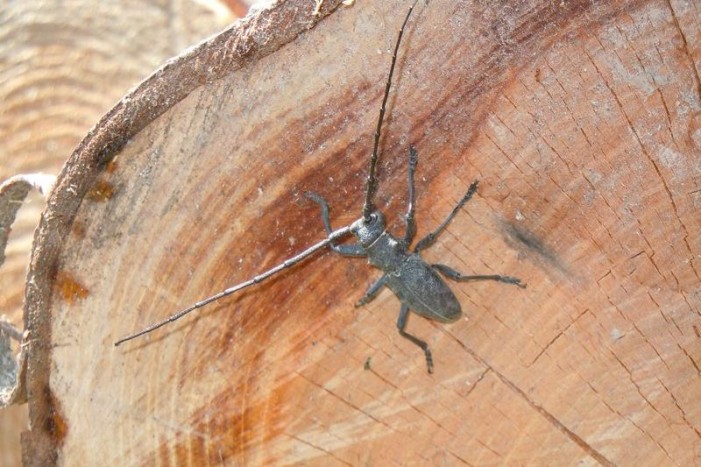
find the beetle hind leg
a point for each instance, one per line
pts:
(452, 274)
(401, 324)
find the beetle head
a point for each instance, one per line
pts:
(368, 230)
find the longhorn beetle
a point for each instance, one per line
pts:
(417, 284)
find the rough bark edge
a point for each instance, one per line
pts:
(246, 41)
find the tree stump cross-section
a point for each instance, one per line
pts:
(582, 121)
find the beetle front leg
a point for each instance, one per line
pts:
(428, 240)
(372, 291)
(452, 274)
(401, 324)
(410, 221)
(344, 250)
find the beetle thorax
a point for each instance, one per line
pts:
(368, 230)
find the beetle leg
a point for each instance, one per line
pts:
(410, 221)
(401, 324)
(428, 240)
(345, 250)
(372, 291)
(451, 273)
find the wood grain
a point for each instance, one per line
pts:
(582, 122)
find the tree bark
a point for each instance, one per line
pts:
(582, 121)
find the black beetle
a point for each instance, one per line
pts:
(417, 284)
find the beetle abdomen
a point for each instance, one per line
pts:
(418, 286)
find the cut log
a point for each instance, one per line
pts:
(582, 121)
(63, 65)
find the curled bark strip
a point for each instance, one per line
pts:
(12, 193)
(12, 388)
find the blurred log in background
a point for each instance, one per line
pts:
(62, 66)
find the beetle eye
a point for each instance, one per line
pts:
(373, 218)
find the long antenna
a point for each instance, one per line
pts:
(372, 180)
(335, 235)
